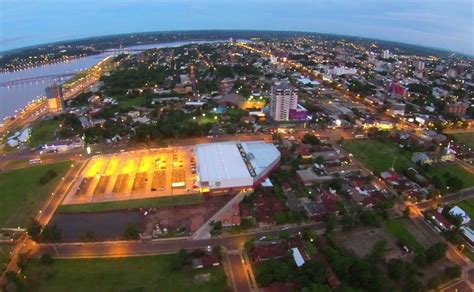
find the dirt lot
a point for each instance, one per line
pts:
(361, 240)
(183, 219)
(111, 225)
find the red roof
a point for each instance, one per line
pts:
(266, 207)
(441, 219)
(265, 252)
(295, 242)
(330, 205)
(303, 150)
(210, 260)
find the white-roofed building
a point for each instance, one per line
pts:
(456, 211)
(234, 165)
(299, 260)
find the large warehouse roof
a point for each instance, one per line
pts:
(233, 164)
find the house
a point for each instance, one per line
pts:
(440, 221)
(206, 261)
(315, 210)
(421, 158)
(268, 251)
(304, 151)
(230, 216)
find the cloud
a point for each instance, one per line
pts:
(436, 23)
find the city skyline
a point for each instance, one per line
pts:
(428, 23)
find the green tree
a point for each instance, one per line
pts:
(396, 268)
(436, 252)
(131, 232)
(331, 220)
(280, 218)
(46, 259)
(182, 259)
(51, 234)
(34, 229)
(347, 222)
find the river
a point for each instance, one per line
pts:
(16, 96)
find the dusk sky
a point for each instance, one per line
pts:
(434, 23)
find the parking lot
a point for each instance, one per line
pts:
(135, 175)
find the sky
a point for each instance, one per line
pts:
(446, 24)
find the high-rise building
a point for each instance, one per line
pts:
(54, 94)
(419, 65)
(385, 54)
(284, 99)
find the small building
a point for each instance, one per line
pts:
(206, 261)
(63, 145)
(440, 221)
(297, 257)
(458, 212)
(268, 251)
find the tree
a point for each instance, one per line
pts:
(420, 260)
(369, 219)
(453, 271)
(182, 258)
(34, 229)
(47, 177)
(280, 217)
(131, 232)
(310, 139)
(395, 269)
(46, 259)
(330, 223)
(436, 252)
(51, 234)
(347, 222)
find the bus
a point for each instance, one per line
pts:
(36, 161)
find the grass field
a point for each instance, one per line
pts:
(159, 202)
(378, 155)
(468, 206)
(465, 176)
(43, 132)
(21, 195)
(147, 273)
(397, 228)
(465, 138)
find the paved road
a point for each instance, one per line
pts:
(131, 248)
(239, 272)
(451, 198)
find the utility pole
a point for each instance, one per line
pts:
(393, 162)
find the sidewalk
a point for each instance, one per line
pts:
(204, 231)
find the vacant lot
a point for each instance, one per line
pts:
(361, 240)
(453, 170)
(22, 195)
(159, 202)
(398, 229)
(465, 138)
(149, 273)
(43, 132)
(378, 156)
